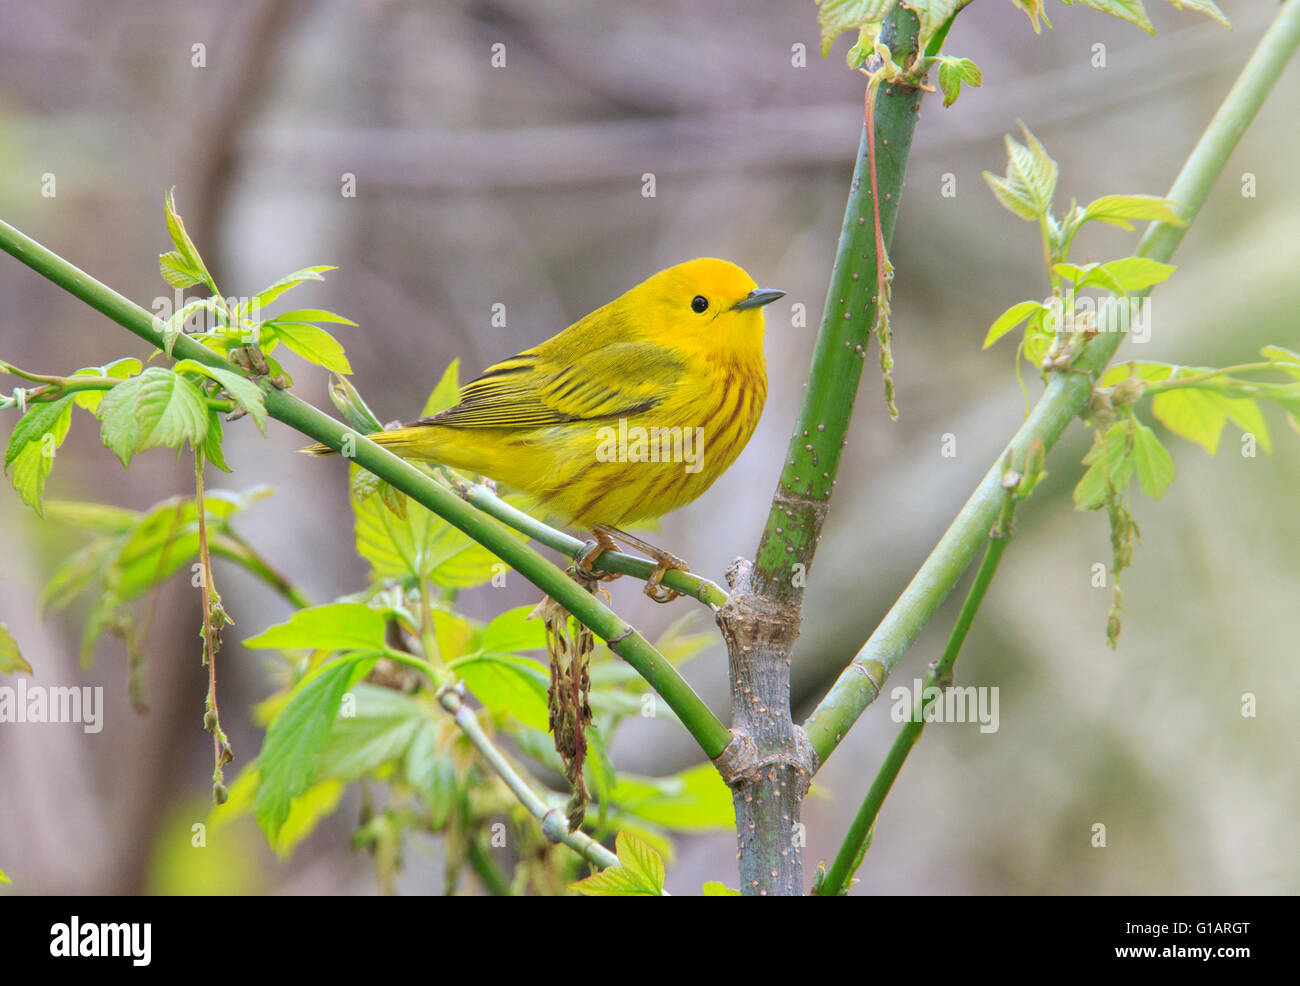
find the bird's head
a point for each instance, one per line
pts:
(704, 304)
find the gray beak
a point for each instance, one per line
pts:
(757, 299)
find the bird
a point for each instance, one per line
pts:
(631, 412)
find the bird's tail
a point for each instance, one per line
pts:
(408, 442)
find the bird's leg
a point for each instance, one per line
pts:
(600, 542)
(664, 561)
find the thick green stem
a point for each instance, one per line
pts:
(1067, 394)
(622, 638)
(838, 878)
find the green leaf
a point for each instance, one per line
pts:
(245, 392)
(1117, 210)
(120, 369)
(269, 294)
(70, 578)
(348, 400)
(834, 17)
(3, 878)
(33, 445)
(212, 450)
(177, 272)
(1030, 180)
(1286, 360)
(1244, 412)
(694, 800)
(313, 315)
(933, 14)
(1138, 273)
(187, 251)
(516, 685)
(1110, 464)
(953, 72)
(1126, 10)
(297, 737)
(1206, 7)
(312, 343)
(380, 729)
(420, 545)
(715, 889)
(333, 626)
(1010, 318)
(446, 394)
(152, 409)
(1197, 415)
(639, 873)
(1155, 467)
(513, 631)
(11, 658)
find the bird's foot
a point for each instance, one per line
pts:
(664, 562)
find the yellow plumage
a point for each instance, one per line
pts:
(672, 370)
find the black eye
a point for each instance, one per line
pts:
(699, 304)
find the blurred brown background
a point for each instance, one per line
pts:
(521, 185)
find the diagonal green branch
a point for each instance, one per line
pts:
(622, 638)
(1066, 396)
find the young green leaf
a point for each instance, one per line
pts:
(953, 72)
(513, 631)
(11, 658)
(1206, 7)
(639, 873)
(1117, 210)
(296, 739)
(1197, 415)
(380, 729)
(333, 626)
(152, 409)
(446, 393)
(176, 271)
(212, 451)
(245, 392)
(1030, 180)
(1110, 464)
(1244, 412)
(254, 305)
(347, 399)
(185, 248)
(119, 369)
(1155, 467)
(834, 17)
(516, 685)
(715, 889)
(1126, 10)
(312, 343)
(33, 445)
(694, 800)
(1010, 318)
(1137, 273)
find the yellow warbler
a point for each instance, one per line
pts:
(627, 414)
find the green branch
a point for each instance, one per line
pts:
(812, 461)
(1066, 396)
(838, 878)
(555, 825)
(687, 583)
(621, 637)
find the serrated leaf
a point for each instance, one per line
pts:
(176, 271)
(296, 739)
(635, 855)
(245, 392)
(953, 72)
(453, 633)
(834, 17)
(1110, 465)
(313, 315)
(212, 450)
(312, 343)
(152, 409)
(33, 445)
(1013, 196)
(379, 729)
(1244, 412)
(447, 392)
(333, 626)
(1197, 415)
(1126, 10)
(269, 294)
(1034, 169)
(1206, 7)
(1116, 210)
(350, 404)
(11, 658)
(1011, 318)
(185, 247)
(640, 872)
(516, 685)
(691, 801)
(1151, 460)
